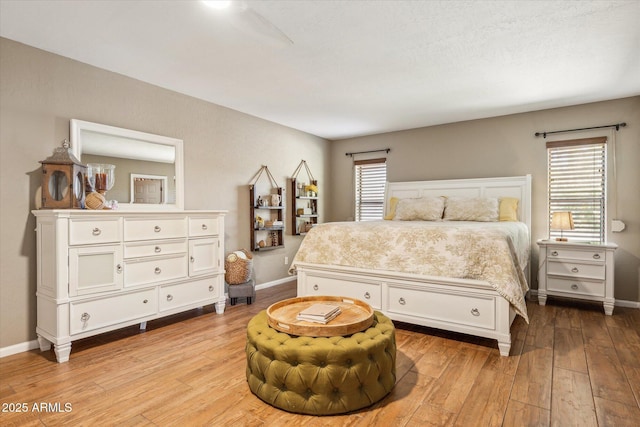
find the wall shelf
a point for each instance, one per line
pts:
(267, 204)
(304, 205)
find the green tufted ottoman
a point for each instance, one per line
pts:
(321, 376)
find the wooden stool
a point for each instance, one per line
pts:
(246, 289)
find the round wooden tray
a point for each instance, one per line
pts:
(355, 316)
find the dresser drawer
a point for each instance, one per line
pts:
(434, 304)
(567, 253)
(203, 226)
(89, 315)
(576, 269)
(155, 270)
(576, 287)
(154, 229)
(364, 291)
(89, 231)
(161, 247)
(180, 295)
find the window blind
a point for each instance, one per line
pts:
(370, 177)
(577, 183)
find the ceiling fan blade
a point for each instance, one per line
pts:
(251, 20)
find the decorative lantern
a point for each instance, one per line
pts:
(63, 180)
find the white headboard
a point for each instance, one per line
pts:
(514, 186)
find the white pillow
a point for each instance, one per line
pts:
(421, 209)
(471, 209)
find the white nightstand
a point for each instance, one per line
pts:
(577, 270)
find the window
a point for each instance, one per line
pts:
(371, 178)
(577, 183)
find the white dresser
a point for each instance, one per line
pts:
(103, 270)
(577, 270)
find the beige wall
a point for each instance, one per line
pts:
(40, 92)
(506, 146)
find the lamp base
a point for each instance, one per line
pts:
(562, 239)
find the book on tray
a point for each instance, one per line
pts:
(319, 313)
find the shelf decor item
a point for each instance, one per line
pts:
(101, 177)
(304, 201)
(267, 212)
(63, 180)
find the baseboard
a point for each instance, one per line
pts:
(276, 282)
(618, 302)
(18, 348)
(628, 304)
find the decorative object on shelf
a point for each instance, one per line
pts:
(101, 177)
(312, 190)
(95, 201)
(63, 180)
(276, 199)
(267, 212)
(562, 221)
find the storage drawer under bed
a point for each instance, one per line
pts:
(435, 304)
(364, 291)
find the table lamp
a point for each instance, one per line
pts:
(561, 221)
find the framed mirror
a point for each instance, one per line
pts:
(134, 154)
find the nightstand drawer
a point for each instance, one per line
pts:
(578, 287)
(567, 253)
(576, 269)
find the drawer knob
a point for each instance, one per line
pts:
(119, 268)
(145, 301)
(574, 287)
(402, 301)
(85, 317)
(169, 297)
(554, 253)
(158, 249)
(596, 256)
(157, 229)
(367, 295)
(96, 231)
(192, 259)
(315, 287)
(158, 270)
(475, 312)
(574, 270)
(211, 288)
(204, 226)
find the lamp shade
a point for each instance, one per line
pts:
(562, 221)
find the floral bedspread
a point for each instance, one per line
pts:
(495, 252)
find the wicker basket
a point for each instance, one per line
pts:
(238, 270)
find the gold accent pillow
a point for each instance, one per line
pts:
(393, 202)
(421, 209)
(483, 209)
(509, 209)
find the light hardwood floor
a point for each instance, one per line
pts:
(572, 365)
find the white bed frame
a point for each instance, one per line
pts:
(460, 305)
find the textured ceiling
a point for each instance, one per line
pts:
(354, 67)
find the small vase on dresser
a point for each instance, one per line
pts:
(577, 270)
(103, 270)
